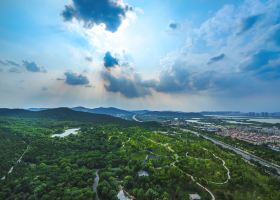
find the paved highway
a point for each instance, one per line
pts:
(248, 156)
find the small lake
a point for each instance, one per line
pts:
(67, 132)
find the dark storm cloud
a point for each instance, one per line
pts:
(32, 67)
(173, 25)
(216, 58)
(264, 64)
(110, 61)
(130, 88)
(95, 12)
(249, 22)
(75, 79)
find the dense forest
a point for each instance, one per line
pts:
(145, 161)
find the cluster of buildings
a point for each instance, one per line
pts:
(250, 133)
(249, 136)
(261, 130)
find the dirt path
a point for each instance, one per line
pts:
(135, 119)
(173, 164)
(17, 162)
(228, 172)
(95, 184)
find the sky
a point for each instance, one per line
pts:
(141, 54)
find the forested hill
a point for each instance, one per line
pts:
(172, 114)
(63, 114)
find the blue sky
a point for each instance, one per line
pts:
(161, 55)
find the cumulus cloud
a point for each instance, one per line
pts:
(109, 60)
(14, 66)
(130, 87)
(12, 63)
(9, 63)
(25, 66)
(122, 79)
(173, 25)
(252, 63)
(173, 80)
(265, 64)
(91, 13)
(216, 58)
(75, 79)
(32, 67)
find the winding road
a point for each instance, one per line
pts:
(17, 162)
(174, 165)
(223, 163)
(135, 119)
(228, 172)
(95, 184)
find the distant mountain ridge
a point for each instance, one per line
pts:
(37, 109)
(102, 110)
(102, 114)
(147, 114)
(61, 114)
(128, 114)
